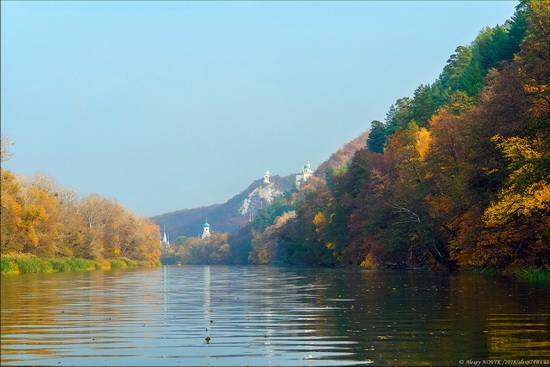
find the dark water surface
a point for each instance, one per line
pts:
(270, 316)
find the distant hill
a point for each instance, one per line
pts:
(237, 211)
(227, 217)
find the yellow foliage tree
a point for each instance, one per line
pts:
(423, 142)
(46, 222)
(11, 210)
(528, 192)
(29, 218)
(319, 222)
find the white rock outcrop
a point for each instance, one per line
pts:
(264, 193)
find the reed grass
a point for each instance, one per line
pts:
(532, 274)
(149, 264)
(24, 264)
(117, 264)
(130, 263)
(28, 264)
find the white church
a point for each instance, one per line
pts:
(307, 172)
(165, 238)
(205, 230)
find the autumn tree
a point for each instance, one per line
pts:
(211, 250)
(377, 137)
(5, 144)
(12, 233)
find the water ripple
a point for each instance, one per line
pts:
(216, 315)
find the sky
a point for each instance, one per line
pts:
(171, 105)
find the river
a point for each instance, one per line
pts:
(271, 316)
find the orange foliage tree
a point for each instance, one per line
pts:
(40, 218)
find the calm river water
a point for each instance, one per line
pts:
(270, 316)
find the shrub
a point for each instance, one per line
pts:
(61, 264)
(129, 263)
(149, 264)
(28, 264)
(532, 274)
(8, 266)
(118, 264)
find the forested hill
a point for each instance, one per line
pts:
(455, 176)
(236, 213)
(226, 217)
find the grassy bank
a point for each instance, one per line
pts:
(528, 274)
(533, 274)
(27, 264)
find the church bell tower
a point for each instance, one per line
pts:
(205, 230)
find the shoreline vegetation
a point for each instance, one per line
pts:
(47, 228)
(15, 264)
(18, 264)
(532, 274)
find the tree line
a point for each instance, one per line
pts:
(38, 217)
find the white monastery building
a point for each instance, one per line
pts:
(307, 172)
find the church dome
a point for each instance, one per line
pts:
(206, 224)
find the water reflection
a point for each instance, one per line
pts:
(264, 315)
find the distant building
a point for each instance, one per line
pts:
(307, 172)
(165, 238)
(205, 230)
(266, 177)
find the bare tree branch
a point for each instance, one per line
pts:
(401, 209)
(5, 143)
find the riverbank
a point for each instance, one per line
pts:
(532, 274)
(529, 274)
(13, 264)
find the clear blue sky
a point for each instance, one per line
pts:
(171, 105)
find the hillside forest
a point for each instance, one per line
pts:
(456, 176)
